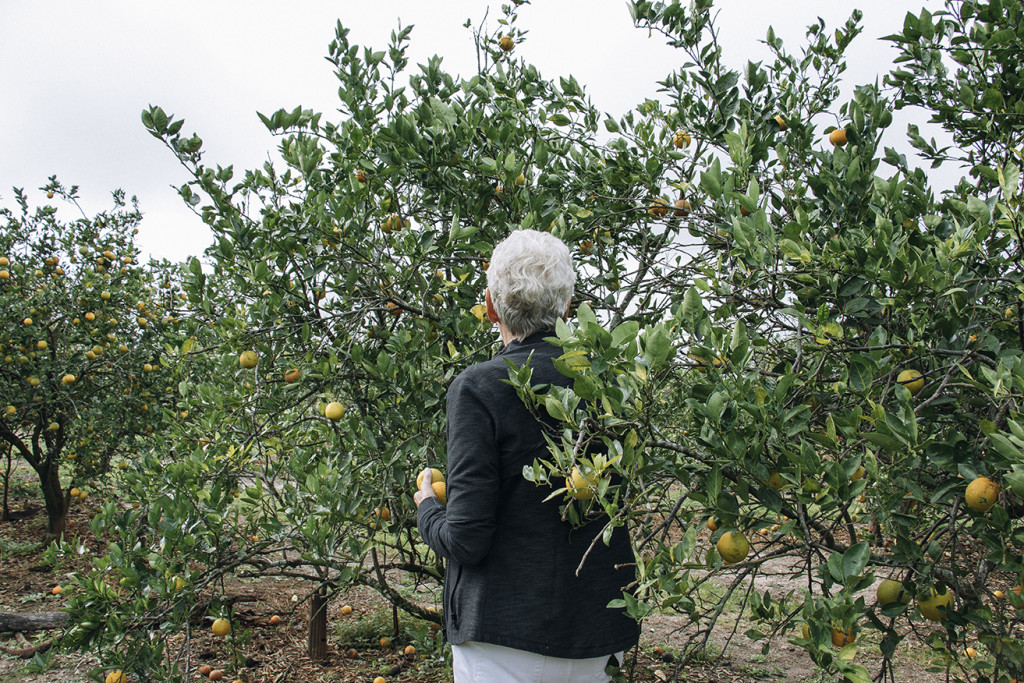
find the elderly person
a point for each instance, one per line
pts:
(515, 609)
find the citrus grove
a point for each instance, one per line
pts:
(792, 352)
(82, 343)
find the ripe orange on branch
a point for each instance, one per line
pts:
(838, 137)
(981, 494)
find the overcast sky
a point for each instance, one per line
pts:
(74, 76)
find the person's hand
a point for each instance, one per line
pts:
(425, 491)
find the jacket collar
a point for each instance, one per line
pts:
(531, 340)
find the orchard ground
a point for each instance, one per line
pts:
(272, 651)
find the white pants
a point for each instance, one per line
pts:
(485, 663)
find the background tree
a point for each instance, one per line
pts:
(84, 325)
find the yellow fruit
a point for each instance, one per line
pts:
(937, 605)
(383, 513)
(56, 590)
(435, 476)
(247, 359)
(981, 494)
(73, 493)
(658, 208)
(67, 379)
(380, 679)
(841, 637)
(410, 650)
(346, 610)
(838, 137)
(440, 491)
(859, 474)
(681, 139)
(221, 627)
(781, 122)
(713, 524)
(520, 179)
(805, 631)
(4, 261)
(334, 411)
(890, 591)
(912, 380)
(179, 583)
(392, 223)
(506, 43)
(5, 274)
(775, 480)
(579, 486)
(733, 547)
(27, 321)
(116, 676)
(970, 653)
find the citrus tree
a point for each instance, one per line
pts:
(782, 335)
(84, 327)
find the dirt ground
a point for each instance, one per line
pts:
(275, 653)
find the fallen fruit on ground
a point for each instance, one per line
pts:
(981, 494)
(385, 641)
(221, 627)
(216, 675)
(347, 609)
(56, 590)
(733, 547)
(410, 650)
(275, 620)
(116, 676)
(205, 670)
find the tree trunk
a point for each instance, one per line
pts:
(32, 622)
(56, 502)
(5, 514)
(318, 625)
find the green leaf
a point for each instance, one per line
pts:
(855, 559)
(693, 309)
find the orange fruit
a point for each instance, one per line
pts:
(838, 137)
(841, 637)
(410, 650)
(383, 513)
(216, 675)
(385, 641)
(912, 380)
(221, 627)
(292, 375)
(506, 43)
(440, 491)
(681, 139)
(981, 494)
(347, 609)
(658, 208)
(205, 670)
(435, 477)
(275, 620)
(682, 207)
(733, 546)
(937, 605)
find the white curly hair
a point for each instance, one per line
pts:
(531, 281)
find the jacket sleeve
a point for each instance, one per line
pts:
(463, 530)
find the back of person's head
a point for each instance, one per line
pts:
(531, 279)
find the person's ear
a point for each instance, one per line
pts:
(492, 314)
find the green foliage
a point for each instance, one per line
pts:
(738, 360)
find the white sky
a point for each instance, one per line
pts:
(75, 76)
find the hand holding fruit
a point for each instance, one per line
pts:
(427, 487)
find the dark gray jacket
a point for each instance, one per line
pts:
(511, 560)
